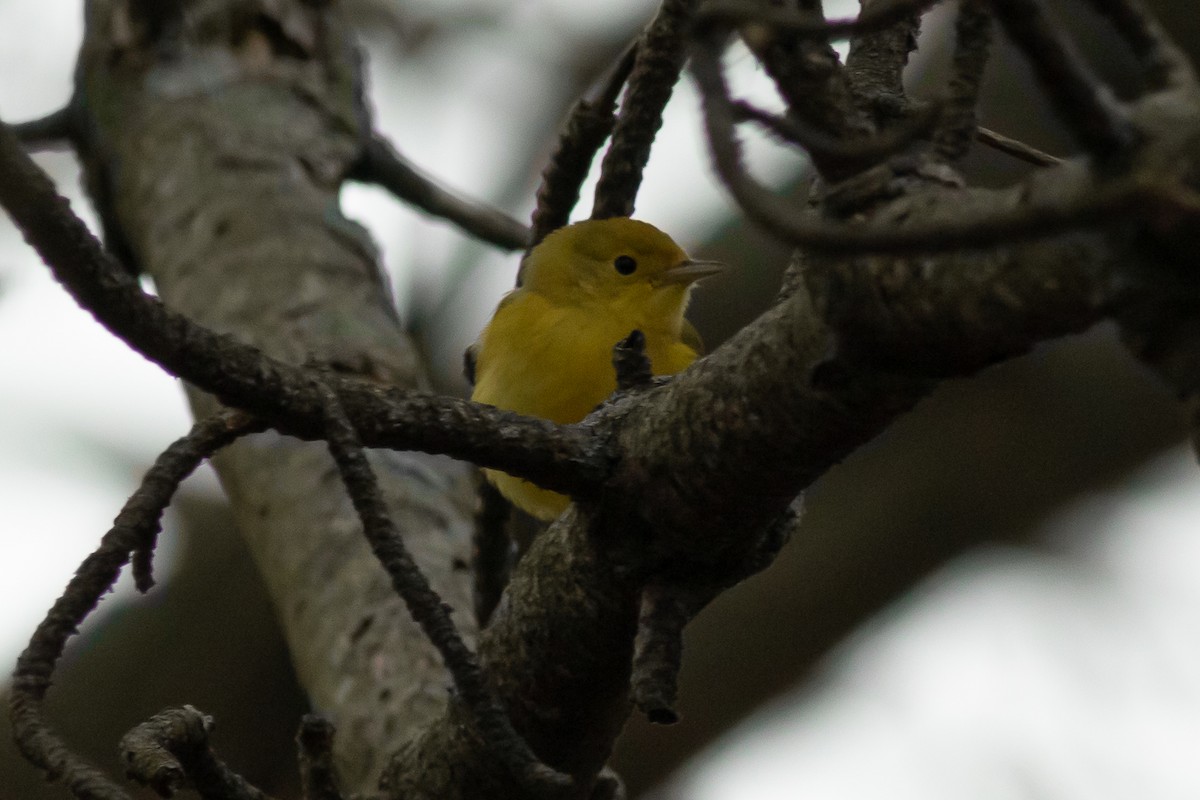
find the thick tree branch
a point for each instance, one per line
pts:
(427, 608)
(706, 462)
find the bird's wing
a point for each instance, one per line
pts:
(691, 337)
(471, 354)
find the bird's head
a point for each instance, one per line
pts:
(615, 262)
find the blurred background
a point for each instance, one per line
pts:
(1023, 546)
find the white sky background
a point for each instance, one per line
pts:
(1004, 677)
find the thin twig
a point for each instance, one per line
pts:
(660, 56)
(882, 15)
(492, 551)
(171, 750)
(134, 526)
(1131, 198)
(1165, 65)
(972, 46)
(588, 125)
(1086, 106)
(426, 607)
(55, 131)
(823, 148)
(318, 778)
(1014, 148)
(658, 654)
(631, 363)
(382, 165)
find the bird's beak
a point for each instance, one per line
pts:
(688, 272)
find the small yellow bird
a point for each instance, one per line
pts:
(548, 350)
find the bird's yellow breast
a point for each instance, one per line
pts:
(554, 360)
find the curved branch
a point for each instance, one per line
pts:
(989, 227)
(1086, 106)
(426, 607)
(588, 125)
(134, 527)
(383, 166)
(660, 56)
(565, 458)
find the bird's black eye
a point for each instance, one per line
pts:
(625, 265)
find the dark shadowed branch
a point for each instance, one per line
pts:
(171, 751)
(244, 377)
(382, 165)
(660, 56)
(973, 38)
(587, 127)
(1120, 201)
(133, 530)
(318, 779)
(1087, 107)
(55, 131)
(426, 606)
(1163, 63)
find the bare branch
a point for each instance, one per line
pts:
(492, 553)
(631, 363)
(1164, 63)
(658, 654)
(851, 153)
(557, 457)
(427, 608)
(875, 64)
(880, 16)
(1118, 201)
(1086, 107)
(382, 165)
(55, 131)
(973, 39)
(171, 750)
(660, 56)
(318, 780)
(133, 530)
(1015, 148)
(588, 125)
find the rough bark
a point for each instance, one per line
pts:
(222, 169)
(216, 142)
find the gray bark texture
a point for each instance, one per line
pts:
(223, 168)
(216, 137)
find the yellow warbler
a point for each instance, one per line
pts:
(548, 350)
